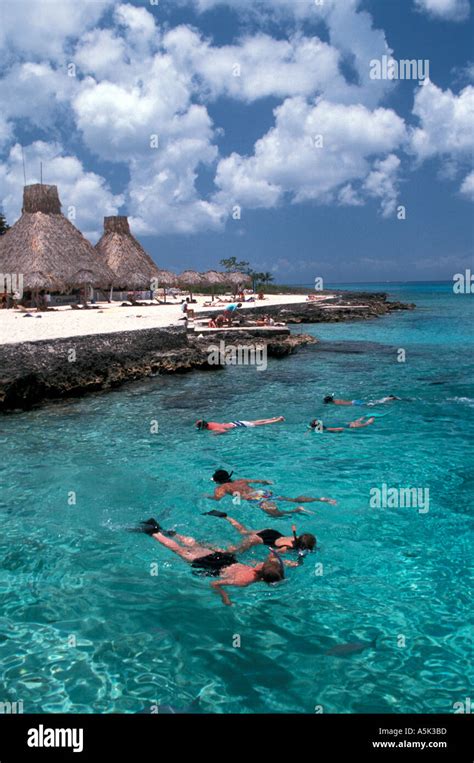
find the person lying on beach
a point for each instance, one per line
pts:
(268, 537)
(218, 563)
(215, 426)
(330, 399)
(243, 488)
(317, 425)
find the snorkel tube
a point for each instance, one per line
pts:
(280, 561)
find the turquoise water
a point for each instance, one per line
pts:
(85, 627)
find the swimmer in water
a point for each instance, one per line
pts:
(330, 399)
(243, 488)
(218, 563)
(217, 428)
(269, 537)
(317, 425)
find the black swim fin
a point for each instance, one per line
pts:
(214, 513)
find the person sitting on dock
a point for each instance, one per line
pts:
(215, 426)
(217, 562)
(242, 488)
(268, 537)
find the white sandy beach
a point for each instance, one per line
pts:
(110, 318)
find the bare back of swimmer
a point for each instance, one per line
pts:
(264, 498)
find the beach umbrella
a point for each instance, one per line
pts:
(47, 248)
(120, 250)
(166, 279)
(237, 279)
(38, 281)
(189, 279)
(213, 278)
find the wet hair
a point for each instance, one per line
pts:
(240, 304)
(271, 573)
(328, 399)
(305, 542)
(221, 476)
(201, 424)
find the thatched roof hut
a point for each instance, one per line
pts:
(190, 278)
(121, 251)
(213, 277)
(237, 278)
(47, 248)
(167, 278)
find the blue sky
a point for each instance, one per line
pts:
(249, 129)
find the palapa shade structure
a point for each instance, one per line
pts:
(189, 279)
(166, 279)
(237, 279)
(213, 278)
(133, 267)
(49, 251)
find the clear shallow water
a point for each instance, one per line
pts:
(85, 627)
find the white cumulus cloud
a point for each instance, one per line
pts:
(85, 196)
(314, 152)
(448, 10)
(467, 186)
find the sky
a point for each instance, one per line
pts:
(268, 130)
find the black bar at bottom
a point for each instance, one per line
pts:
(134, 737)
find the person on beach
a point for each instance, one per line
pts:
(317, 425)
(267, 537)
(215, 426)
(230, 310)
(263, 498)
(217, 562)
(330, 399)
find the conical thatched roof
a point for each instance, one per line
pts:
(50, 252)
(167, 278)
(190, 277)
(237, 278)
(133, 267)
(214, 277)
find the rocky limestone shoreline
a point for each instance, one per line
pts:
(35, 372)
(32, 373)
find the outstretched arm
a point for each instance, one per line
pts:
(240, 528)
(217, 587)
(219, 493)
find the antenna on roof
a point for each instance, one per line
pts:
(41, 173)
(24, 170)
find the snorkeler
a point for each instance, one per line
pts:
(331, 399)
(268, 537)
(243, 488)
(317, 426)
(217, 428)
(218, 563)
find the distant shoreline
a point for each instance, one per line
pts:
(59, 367)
